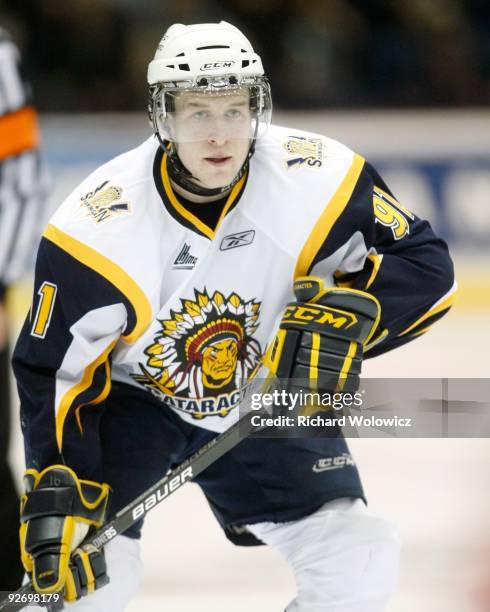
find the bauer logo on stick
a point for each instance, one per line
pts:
(162, 493)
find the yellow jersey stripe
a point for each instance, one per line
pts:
(422, 331)
(112, 272)
(183, 212)
(376, 261)
(376, 340)
(443, 304)
(231, 198)
(328, 218)
(102, 395)
(70, 396)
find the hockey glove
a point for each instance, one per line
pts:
(319, 345)
(56, 514)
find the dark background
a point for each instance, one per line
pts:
(92, 55)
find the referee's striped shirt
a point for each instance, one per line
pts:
(23, 184)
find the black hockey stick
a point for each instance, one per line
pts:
(137, 509)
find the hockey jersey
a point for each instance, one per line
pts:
(132, 287)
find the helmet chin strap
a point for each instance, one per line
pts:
(181, 175)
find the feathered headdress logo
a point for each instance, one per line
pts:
(204, 349)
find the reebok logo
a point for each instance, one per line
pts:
(184, 260)
(237, 240)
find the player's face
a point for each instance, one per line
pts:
(213, 134)
(219, 363)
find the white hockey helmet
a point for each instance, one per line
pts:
(190, 52)
(208, 58)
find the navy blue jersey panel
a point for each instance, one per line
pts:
(357, 216)
(38, 358)
(407, 267)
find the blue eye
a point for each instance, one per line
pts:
(200, 115)
(233, 114)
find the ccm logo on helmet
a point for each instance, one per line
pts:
(215, 65)
(299, 314)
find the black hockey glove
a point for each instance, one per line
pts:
(56, 514)
(319, 345)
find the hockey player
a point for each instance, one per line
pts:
(160, 283)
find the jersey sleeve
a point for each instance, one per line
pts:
(23, 179)
(377, 245)
(62, 360)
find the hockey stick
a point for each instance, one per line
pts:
(138, 508)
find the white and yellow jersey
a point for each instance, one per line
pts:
(132, 287)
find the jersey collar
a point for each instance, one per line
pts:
(178, 211)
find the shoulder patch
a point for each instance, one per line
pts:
(304, 151)
(103, 203)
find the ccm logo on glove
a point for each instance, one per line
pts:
(322, 316)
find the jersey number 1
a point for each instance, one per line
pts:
(47, 294)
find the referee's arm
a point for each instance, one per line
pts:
(22, 178)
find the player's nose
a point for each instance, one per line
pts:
(217, 139)
(218, 132)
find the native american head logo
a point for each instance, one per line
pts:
(203, 350)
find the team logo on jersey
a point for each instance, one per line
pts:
(203, 354)
(304, 151)
(103, 203)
